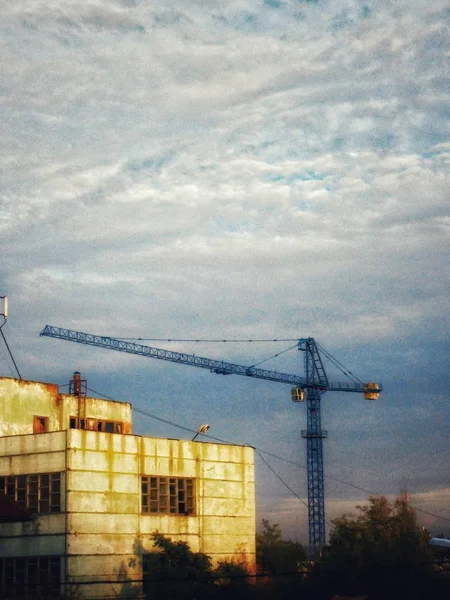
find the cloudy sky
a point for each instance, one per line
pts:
(254, 169)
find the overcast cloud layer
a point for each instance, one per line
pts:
(247, 169)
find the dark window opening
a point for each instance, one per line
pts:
(38, 493)
(40, 424)
(96, 425)
(30, 577)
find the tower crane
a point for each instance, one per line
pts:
(309, 387)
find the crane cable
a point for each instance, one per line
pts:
(274, 356)
(333, 360)
(141, 339)
(340, 366)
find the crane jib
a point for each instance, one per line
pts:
(219, 367)
(215, 366)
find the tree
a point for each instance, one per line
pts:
(381, 549)
(275, 555)
(176, 571)
(231, 581)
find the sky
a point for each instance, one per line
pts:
(254, 169)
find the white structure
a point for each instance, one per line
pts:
(80, 495)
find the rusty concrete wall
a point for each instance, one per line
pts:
(103, 532)
(44, 536)
(29, 454)
(107, 533)
(96, 408)
(33, 454)
(20, 401)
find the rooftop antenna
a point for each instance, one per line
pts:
(4, 314)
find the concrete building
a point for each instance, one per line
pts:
(80, 495)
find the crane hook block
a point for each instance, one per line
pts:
(372, 391)
(297, 394)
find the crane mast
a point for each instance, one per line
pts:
(316, 378)
(309, 388)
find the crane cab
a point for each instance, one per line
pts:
(297, 394)
(372, 391)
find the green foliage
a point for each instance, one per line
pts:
(180, 559)
(230, 579)
(275, 555)
(231, 571)
(280, 560)
(175, 572)
(384, 533)
(381, 546)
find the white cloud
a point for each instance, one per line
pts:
(201, 170)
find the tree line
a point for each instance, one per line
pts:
(379, 554)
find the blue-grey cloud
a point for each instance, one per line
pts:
(251, 170)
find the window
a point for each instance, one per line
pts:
(30, 577)
(109, 426)
(96, 425)
(76, 423)
(38, 493)
(40, 424)
(173, 495)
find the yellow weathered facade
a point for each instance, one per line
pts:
(84, 494)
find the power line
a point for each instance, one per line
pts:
(282, 481)
(213, 577)
(259, 450)
(167, 421)
(9, 350)
(7, 361)
(347, 483)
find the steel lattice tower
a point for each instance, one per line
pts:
(315, 375)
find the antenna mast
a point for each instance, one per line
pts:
(4, 314)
